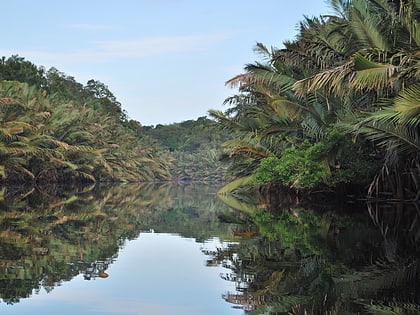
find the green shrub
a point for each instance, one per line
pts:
(297, 167)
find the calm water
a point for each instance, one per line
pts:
(157, 273)
(178, 249)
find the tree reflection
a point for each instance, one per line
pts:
(325, 261)
(52, 234)
(296, 260)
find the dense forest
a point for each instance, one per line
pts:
(195, 148)
(334, 110)
(55, 129)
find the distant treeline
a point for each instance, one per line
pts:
(195, 147)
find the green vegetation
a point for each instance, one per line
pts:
(54, 129)
(335, 110)
(328, 261)
(299, 260)
(195, 148)
(336, 107)
(48, 237)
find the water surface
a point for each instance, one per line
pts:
(116, 250)
(157, 273)
(178, 249)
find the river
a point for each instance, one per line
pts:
(151, 249)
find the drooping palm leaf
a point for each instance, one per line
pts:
(330, 81)
(372, 75)
(408, 104)
(367, 24)
(385, 129)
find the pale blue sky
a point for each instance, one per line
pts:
(165, 60)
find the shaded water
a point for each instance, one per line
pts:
(177, 249)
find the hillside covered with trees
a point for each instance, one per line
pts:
(195, 147)
(54, 129)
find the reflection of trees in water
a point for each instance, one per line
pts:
(265, 276)
(97, 269)
(52, 235)
(329, 262)
(399, 225)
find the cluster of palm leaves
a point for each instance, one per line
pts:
(48, 137)
(354, 74)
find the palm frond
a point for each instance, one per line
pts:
(408, 103)
(268, 76)
(291, 108)
(233, 185)
(386, 130)
(331, 81)
(366, 24)
(225, 121)
(248, 151)
(371, 75)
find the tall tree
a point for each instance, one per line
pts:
(325, 86)
(382, 75)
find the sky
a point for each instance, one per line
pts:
(165, 61)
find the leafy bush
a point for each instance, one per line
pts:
(297, 167)
(331, 161)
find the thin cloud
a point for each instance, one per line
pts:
(105, 51)
(157, 45)
(92, 27)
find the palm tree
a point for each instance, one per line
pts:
(271, 113)
(29, 149)
(70, 132)
(380, 82)
(354, 73)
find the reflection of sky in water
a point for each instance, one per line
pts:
(156, 274)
